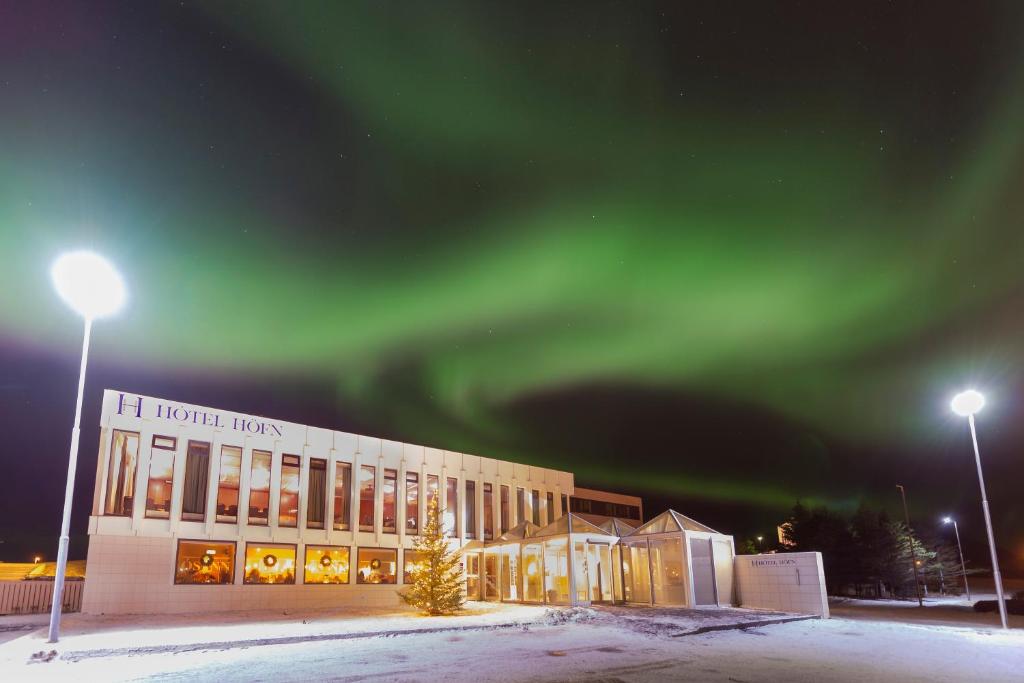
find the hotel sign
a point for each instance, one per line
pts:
(142, 407)
(781, 562)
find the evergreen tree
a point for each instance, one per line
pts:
(436, 586)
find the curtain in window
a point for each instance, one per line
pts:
(197, 472)
(316, 502)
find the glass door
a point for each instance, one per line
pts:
(491, 576)
(473, 576)
(599, 560)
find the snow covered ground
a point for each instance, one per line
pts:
(573, 645)
(944, 611)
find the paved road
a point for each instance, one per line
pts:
(833, 650)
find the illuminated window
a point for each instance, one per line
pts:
(326, 564)
(161, 477)
(197, 479)
(451, 507)
(535, 506)
(412, 561)
(269, 563)
(488, 513)
(288, 508)
(470, 509)
(342, 495)
(316, 496)
(520, 505)
(377, 565)
(367, 487)
(390, 517)
(204, 562)
(551, 507)
(433, 486)
(259, 488)
(124, 455)
(504, 509)
(412, 502)
(227, 484)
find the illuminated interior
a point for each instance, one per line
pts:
(377, 565)
(269, 563)
(201, 562)
(326, 564)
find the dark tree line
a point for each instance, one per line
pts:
(869, 554)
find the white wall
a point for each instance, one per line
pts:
(786, 582)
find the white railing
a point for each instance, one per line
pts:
(34, 597)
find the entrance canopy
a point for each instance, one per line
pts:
(670, 521)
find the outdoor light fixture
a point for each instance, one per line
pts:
(963, 567)
(93, 288)
(966, 404)
(88, 284)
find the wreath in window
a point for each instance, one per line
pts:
(325, 561)
(375, 564)
(270, 559)
(206, 560)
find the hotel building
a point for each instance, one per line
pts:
(202, 510)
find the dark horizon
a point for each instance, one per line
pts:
(724, 257)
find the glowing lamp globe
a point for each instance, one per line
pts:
(88, 284)
(967, 403)
(947, 520)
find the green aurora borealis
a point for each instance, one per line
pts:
(463, 218)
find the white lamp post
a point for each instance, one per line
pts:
(966, 404)
(963, 567)
(90, 285)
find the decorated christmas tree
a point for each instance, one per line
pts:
(436, 586)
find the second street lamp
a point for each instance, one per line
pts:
(963, 567)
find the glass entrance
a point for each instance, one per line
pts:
(510, 574)
(599, 560)
(703, 572)
(473, 576)
(491, 576)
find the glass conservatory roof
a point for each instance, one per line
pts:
(617, 527)
(671, 521)
(570, 523)
(520, 531)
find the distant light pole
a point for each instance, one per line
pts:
(913, 550)
(963, 567)
(759, 539)
(966, 404)
(90, 285)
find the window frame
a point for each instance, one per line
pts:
(305, 553)
(520, 504)
(386, 476)
(503, 516)
(172, 449)
(488, 517)
(451, 490)
(405, 552)
(110, 470)
(292, 461)
(469, 509)
(315, 464)
(187, 516)
(535, 506)
(220, 481)
(346, 507)
(412, 477)
(360, 549)
(206, 541)
(550, 498)
(373, 498)
(270, 544)
(260, 521)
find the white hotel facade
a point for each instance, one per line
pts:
(201, 510)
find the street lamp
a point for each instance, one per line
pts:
(89, 285)
(963, 567)
(966, 404)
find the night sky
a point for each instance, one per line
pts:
(724, 255)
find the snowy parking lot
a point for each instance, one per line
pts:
(574, 645)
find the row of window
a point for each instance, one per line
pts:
(123, 465)
(213, 562)
(601, 507)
